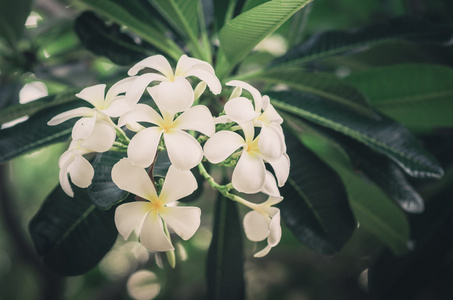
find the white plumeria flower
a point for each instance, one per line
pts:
(184, 151)
(150, 216)
(73, 163)
(111, 105)
(249, 175)
(262, 114)
(176, 93)
(264, 222)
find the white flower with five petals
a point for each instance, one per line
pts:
(249, 175)
(97, 119)
(264, 222)
(175, 91)
(262, 114)
(152, 215)
(183, 149)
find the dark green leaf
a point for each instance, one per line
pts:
(322, 84)
(389, 177)
(13, 15)
(35, 133)
(71, 234)
(405, 277)
(108, 40)
(225, 269)
(382, 135)
(331, 43)
(103, 192)
(315, 205)
(118, 12)
(372, 208)
(16, 111)
(418, 96)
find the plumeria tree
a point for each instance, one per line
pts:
(255, 121)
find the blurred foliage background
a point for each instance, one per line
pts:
(51, 52)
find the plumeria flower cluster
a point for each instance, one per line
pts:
(249, 135)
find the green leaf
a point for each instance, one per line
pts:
(418, 96)
(225, 266)
(120, 15)
(13, 15)
(331, 43)
(70, 234)
(35, 133)
(19, 110)
(322, 84)
(315, 205)
(371, 207)
(389, 177)
(108, 40)
(405, 277)
(382, 135)
(182, 14)
(240, 35)
(103, 192)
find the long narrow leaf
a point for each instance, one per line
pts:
(239, 36)
(382, 135)
(315, 205)
(225, 269)
(372, 208)
(418, 96)
(35, 133)
(331, 43)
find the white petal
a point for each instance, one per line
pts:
(221, 145)
(175, 96)
(65, 161)
(222, 120)
(102, 137)
(129, 216)
(281, 169)
(249, 174)
(137, 88)
(81, 171)
(183, 220)
(270, 185)
(73, 113)
(83, 128)
(249, 131)
(240, 110)
(118, 106)
(156, 62)
(152, 235)
(177, 184)
(253, 91)
(263, 252)
(143, 146)
(211, 80)
(93, 94)
(256, 227)
(275, 233)
(272, 200)
(270, 115)
(134, 179)
(183, 149)
(185, 64)
(271, 143)
(197, 118)
(118, 88)
(141, 113)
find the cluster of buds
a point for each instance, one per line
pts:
(248, 136)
